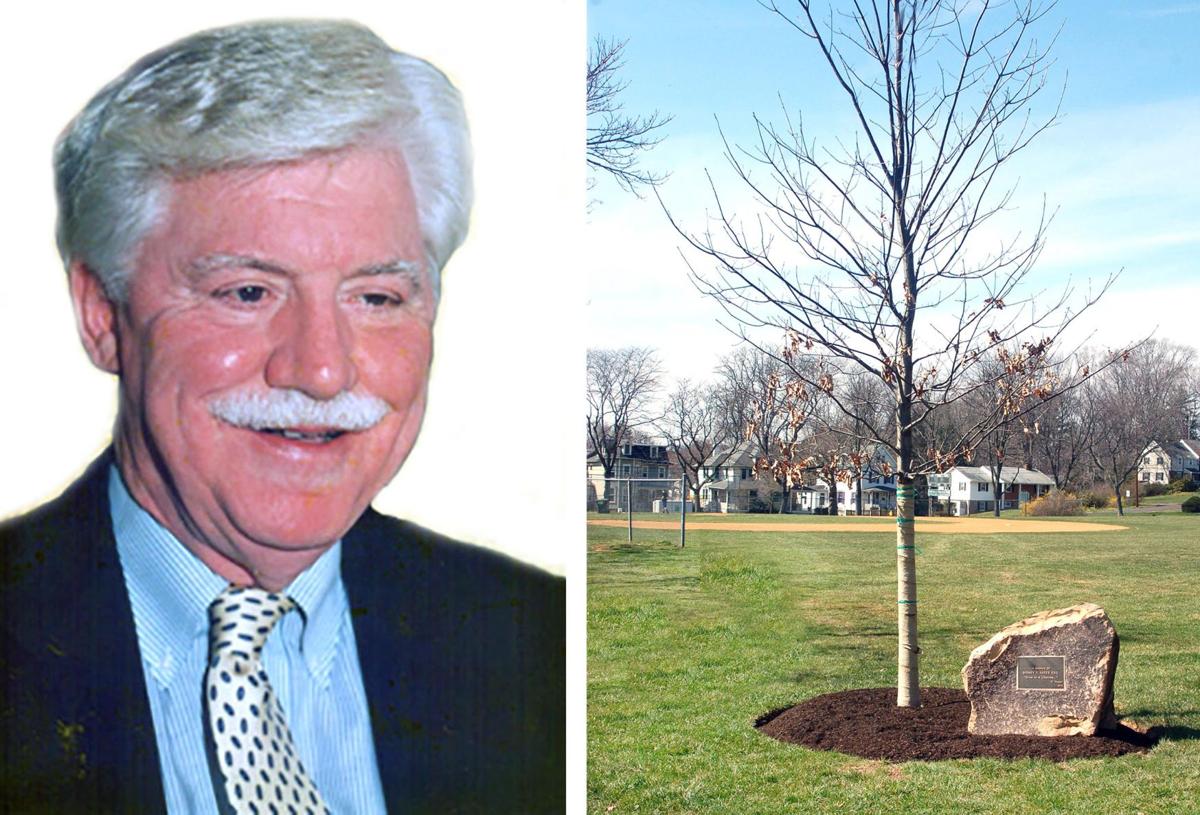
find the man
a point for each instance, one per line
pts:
(254, 221)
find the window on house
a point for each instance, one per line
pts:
(746, 474)
(1158, 476)
(753, 493)
(962, 486)
(625, 469)
(1145, 476)
(1160, 461)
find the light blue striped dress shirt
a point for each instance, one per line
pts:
(310, 657)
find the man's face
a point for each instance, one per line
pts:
(306, 276)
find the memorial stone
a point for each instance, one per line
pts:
(1048, 675)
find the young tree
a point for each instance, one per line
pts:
(621, 385)
(1144, 399)
(698, 430)
(614, 138)
(876, 255)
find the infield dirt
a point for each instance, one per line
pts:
(946, 526)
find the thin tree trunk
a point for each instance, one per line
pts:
(908, 684)
(908, 688)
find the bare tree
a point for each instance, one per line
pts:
(699, 432)
(1135, 403)
(621, 385)
(999, 406)
(876, 255)
(772, 406)
(615, 139)
(1192, 417)
(825, 461)
(1061, 436)
(869, 413)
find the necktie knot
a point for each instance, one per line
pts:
(241, 619)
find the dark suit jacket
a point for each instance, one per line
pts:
(462, 654)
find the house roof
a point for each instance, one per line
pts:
(742, 456)
(1008, 475)
(1181, 448)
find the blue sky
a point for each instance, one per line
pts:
(1120, 169)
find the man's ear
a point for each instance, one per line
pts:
(95, 317)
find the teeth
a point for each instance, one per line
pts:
(295, 435)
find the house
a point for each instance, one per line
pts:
(934, 499)
(1170, 460)
(642, 471)
(971, 488)
(878, 488)
(728, 483)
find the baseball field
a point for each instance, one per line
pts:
(688, 647)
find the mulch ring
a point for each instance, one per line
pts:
(867, 723)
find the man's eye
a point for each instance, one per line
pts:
(244, 294)
(380, 299)
(249, 294)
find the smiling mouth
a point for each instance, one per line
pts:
(306, 436)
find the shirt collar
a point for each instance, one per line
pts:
(170, 590)
(319, 593)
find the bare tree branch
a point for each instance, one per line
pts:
(615, 139)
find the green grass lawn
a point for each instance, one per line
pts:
(687, 647)
(1171, 500)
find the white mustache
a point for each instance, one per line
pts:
(280, 408)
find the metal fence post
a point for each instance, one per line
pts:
(629, 504)
(682, 510)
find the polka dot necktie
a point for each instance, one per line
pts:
(253, 746)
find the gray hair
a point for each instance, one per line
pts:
(250, 95)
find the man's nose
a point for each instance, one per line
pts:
(313, 350)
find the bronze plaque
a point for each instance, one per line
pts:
(1040, 673)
